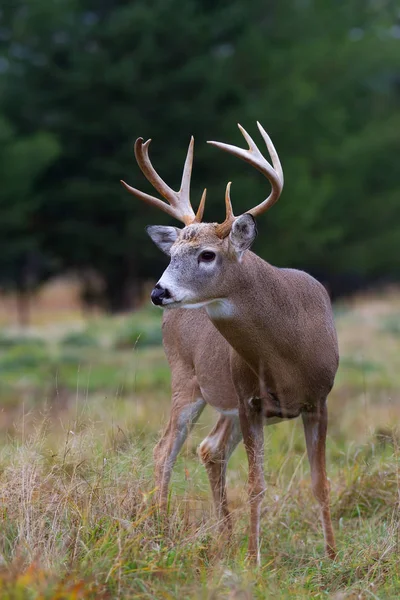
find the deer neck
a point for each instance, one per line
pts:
(246, 310)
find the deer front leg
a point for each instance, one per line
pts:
(187, 406)
(251, 409)
(251, 423)
(315, 427)
(215, 451)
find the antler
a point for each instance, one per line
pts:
(178, 205)
(253, 156)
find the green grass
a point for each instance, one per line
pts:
(79, 421)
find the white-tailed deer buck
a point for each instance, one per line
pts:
(259, 345)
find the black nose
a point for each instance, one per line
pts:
(159, 294)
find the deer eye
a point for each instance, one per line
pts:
(207, 256)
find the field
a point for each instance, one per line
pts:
(82, 406)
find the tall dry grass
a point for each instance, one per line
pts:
(77, 515)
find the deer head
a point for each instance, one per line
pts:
(204, 256)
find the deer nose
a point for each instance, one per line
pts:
(159, 294)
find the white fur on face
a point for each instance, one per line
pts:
(190, 280)
(218, 308)
(178, 294)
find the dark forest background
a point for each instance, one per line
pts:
(81, 79)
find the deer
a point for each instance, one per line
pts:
(256, 342)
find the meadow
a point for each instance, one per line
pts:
(82, 405)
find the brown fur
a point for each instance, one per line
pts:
(263, 348)
(276, 358)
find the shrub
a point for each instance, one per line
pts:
(80, 339)
(391, 325)
(138, 334)
(9, 341)
(23, 357)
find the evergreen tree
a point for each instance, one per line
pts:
(79, 80)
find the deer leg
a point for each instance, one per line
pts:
(315, 427)
(215, 451)
(186, 409)
(251, 423)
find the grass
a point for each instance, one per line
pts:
(81, 412)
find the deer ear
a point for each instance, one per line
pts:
(243, 233)
(163, 236)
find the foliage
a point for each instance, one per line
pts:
(23, 158)
(10, 341)
(135, 334)
(392, 325)
(81, 339)
(118, 356)
(23, 357)
(79, 80)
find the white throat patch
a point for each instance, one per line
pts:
(220, 309)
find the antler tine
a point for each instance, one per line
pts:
(178, 205)
(200, 210)
(224, 228)
(272, 152)
(150, 200)
(144, 162)
(187, 171)
(253, 156)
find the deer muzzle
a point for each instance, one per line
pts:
(159, 294)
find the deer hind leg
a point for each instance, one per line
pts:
(315, 427)
(187, 406)
(215, 451)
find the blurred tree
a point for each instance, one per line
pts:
(322, 77)
(22, 161)
(94, 74)
(327, 78)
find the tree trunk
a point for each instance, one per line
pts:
(23, 302)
